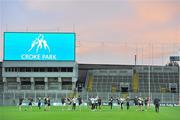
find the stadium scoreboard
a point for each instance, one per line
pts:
(39, 46)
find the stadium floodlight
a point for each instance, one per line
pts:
(179, 76)
(149, 79)
(177, 59)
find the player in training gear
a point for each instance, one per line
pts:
(99, 103)
(127, 103)
(111, 102)
(140, 103)
(74, 103)
(20, 103)
(156, 104)
(121, 100)
(45, 103)
(136, 102)
(96, 102)
(92, 103)
(30, 103)
(63, 102)
(39, 103)
(69, 102)
(146, 102)
(79, 102)
(48, 103)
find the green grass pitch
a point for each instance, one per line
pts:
(55, 113)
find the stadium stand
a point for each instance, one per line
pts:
(94, 80)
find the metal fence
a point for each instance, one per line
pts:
(12, 97)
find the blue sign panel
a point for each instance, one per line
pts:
(39, 46)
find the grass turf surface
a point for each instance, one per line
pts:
(55, 113)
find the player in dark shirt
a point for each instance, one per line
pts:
(45, 103)
(99, 103)
(20, 103)
(111, 102)
(127, 103)
(79, 102)
(157, 104)
(136, 102)
(30, 103)
(63, 101)
(39, 103)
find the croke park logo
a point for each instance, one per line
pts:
(39, 43)
(39, 50)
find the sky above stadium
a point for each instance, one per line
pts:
(107, 31)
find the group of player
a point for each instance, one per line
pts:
(139, 102)
(71, 101)
(94, 103)
(30, 103)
